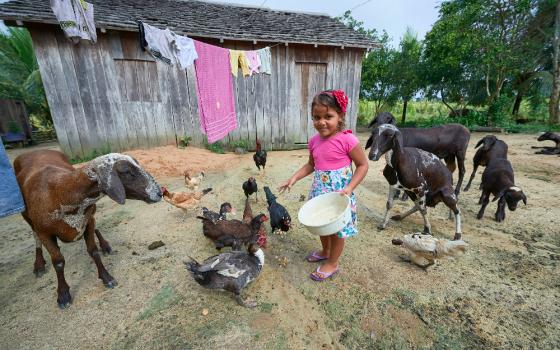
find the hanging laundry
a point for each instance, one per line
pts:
(266, 60)
(11, 201)
(185, 52)
(214, 89)
(254, 61)
(76, 19)
(157, 41)
(238, 59)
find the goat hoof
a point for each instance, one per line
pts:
(64, 300)
(479, 216)
(39, 271)
(106, 249)
(427, 231)
(396, 217)
(111, 284)
(457, 236)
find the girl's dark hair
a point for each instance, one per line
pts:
(326, 99)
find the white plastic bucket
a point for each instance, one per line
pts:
(326, 214)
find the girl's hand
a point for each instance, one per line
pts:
(286, 185)
(347, 191)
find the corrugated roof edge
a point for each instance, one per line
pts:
(129, 28)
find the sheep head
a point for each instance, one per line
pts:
(119, 176)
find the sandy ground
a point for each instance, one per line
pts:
(503, 293)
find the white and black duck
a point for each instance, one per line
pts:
(231, 271)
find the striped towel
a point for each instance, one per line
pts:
(214, 89)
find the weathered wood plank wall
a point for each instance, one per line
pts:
(114, 95)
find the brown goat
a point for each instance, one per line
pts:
(60, 203)
(499, 180)
(492, 149)
(449, 142)
(549, 136)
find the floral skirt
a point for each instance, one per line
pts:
(325, 181)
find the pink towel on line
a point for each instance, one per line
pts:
(214, 89)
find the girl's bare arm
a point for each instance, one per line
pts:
(360, 160)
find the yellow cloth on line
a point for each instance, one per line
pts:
(238, 59)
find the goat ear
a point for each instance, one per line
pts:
(488, 142)
(112, 186)
(500, 195)
(480, 142)
(524, 198)
(372, 123)
(369, 142)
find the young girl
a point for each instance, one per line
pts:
(331, 153)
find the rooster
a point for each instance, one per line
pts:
(279, 217)
(250, 187)
(191, 182)
(260, 157)
(425, 250)
(183, 200)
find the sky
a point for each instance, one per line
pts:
(392, 15)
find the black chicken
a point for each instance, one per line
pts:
(250, 187)
(260, 157)
(279, 216)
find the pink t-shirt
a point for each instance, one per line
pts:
(333, 152)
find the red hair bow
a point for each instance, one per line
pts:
(341, 99)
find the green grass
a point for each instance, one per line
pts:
(105, 149)
(164, 299)
(427, 113)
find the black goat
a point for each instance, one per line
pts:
(422, 176)
(549, 136)
(492, 149)
(498, 179)
(448, 142)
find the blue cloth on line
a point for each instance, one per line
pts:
(11, 201)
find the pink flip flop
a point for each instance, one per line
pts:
(320, 276)
(315, 257)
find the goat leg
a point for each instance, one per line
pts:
(450, 200)
(39, 266)
(412, 210)
(501, 211)
(484, 200)
(89, 236)
(103, 244)
(470, 179)
(388, 206)
(424, 212)
(462, 171)
(64, 299)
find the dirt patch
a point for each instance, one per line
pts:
(169, 161)
(503, 293)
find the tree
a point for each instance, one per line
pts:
(553, 107)
(19, 74)
(406, 68)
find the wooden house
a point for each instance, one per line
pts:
(113, 94)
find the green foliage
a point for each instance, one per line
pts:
(105, 149)
(19, 75)
(216, 147)
(185, 141)
(245, 144)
